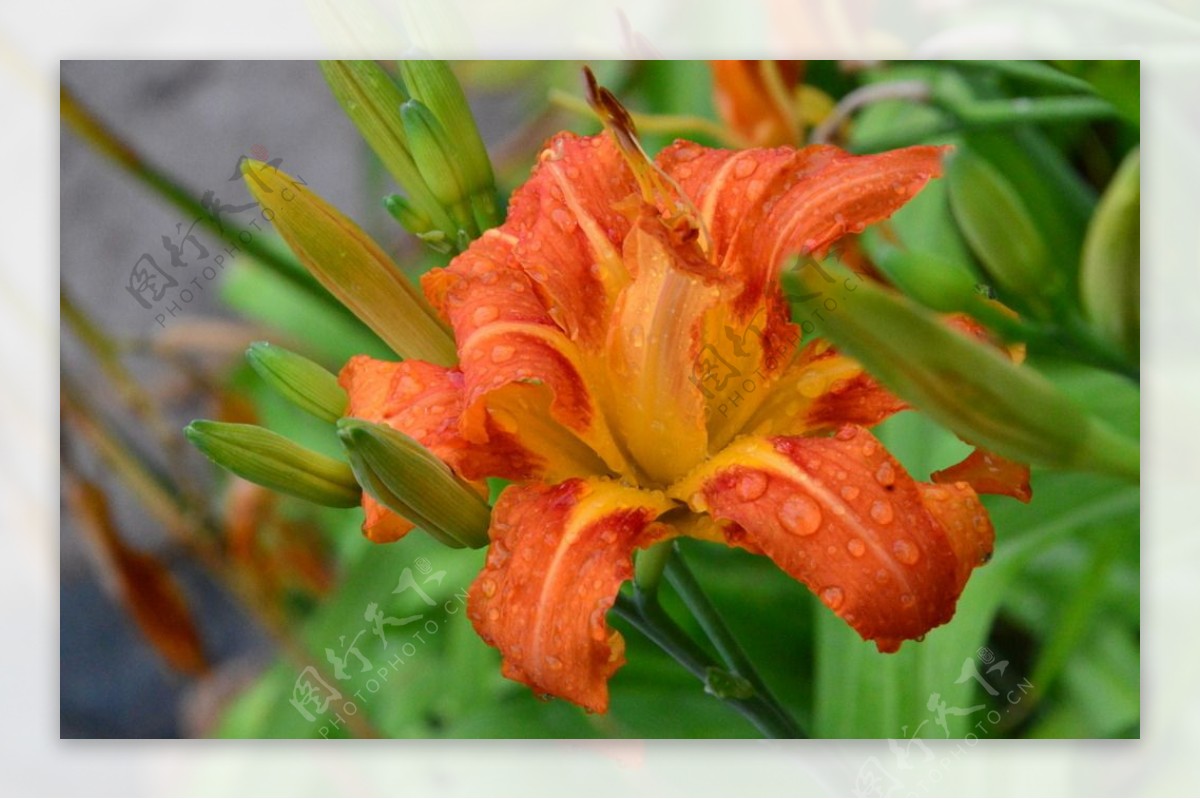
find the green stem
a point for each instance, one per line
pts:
(651, 620)
(684, 582)
(648, 570)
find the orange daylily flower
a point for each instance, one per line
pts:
(626, 358)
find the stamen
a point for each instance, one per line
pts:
(655, 184)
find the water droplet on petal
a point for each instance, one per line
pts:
(885, 475)
(907, 600)
(745, 167)
(751, 486)
(833, 597)
(906, 551)
(553, 663)
(847, 433)
(881, 511)
(869, 448)
(502, 352)
(493, 614)
(697, 503)
(563, 219)
(488, 587)
(800, 515)
(856, 547)
(849, 493)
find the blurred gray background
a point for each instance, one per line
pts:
(194, 120)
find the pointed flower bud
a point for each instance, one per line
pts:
(415, 483)
(934, 282)
(275, 462)
(435, 154)
(1109, 279)
(967, 386)
(372, 100)
(348, 263)
(434, 85)
(1001, 230)
(304, 383)
(415, 222)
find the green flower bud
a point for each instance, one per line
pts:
(434, 85)
(1001, 231)
(351, 266)
(372, 100)
(965, 384)
(415, 483)
(436, 156)
(305, 384)
(270, 460)
(1110, 273)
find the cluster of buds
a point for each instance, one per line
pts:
(394, 469)
(422, 129)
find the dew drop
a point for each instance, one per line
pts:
(881, 511)
(493, 614)
(846, 433)
(562, 219)
(856, 547)
(849, 493)
(800, 515)
(869, 448)
(488, 587)
(553, 663)
(696, 501)
(745, 167)
(885, 475)
(751, 486)
(906, 551)
(502, 352)
(907, 600)
(833, 597)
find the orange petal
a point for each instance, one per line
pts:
(842, 516)
(425, 402)
(762, 205)
(653, 349)
(989, 473)
(741, 362)
(521, 373)
(557, 559)
(569, 231)
(483, 285)
(528, 380)
(821, 391)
